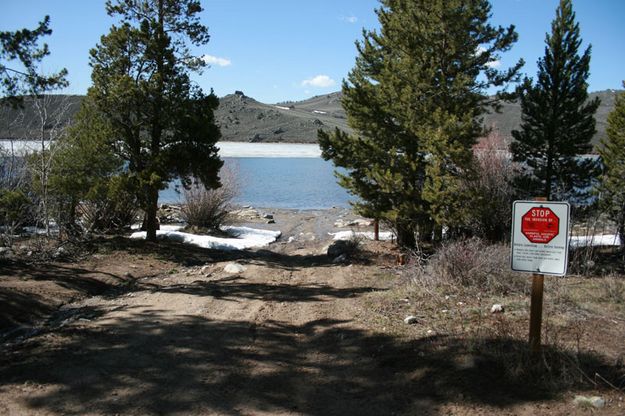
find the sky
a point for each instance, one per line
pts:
(288, 50)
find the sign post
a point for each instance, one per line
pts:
(540, 241)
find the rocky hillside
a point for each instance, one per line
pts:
(243, 119)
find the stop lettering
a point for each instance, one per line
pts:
(540, 225)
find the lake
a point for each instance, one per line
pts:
(294, 182)
(279, 175)
(271, 175)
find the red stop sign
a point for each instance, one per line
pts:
(540, 225)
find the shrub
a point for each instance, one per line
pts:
(109, 206)
(209, 208)
(491, 216)
(472, 264)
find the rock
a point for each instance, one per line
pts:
(60, 252)
(291, 239)
(234, 268)
(497, 308)
(361, 222)
(271, 221)
(593, 401)
(128, 275)
(340, 259)
(337, 248)
(268, 216)
(410, 320)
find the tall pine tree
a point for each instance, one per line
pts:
(415, 100)
(612, 181)
(22, 48)
(160, 122)
(557, 118)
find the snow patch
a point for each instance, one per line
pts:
(319, 112)
(282, 108)
(243, 237)
(347, 235)
(240, 149)
(595, 240)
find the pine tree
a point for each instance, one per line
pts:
(415, 100)
(141, 85)
(22, 47)
(612, 181)
(82, 161)
(557, 118)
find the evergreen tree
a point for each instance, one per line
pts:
(557, 118)
(21, 48)
(82, 163)
(612, 181)
(415, 100)
(165, 124)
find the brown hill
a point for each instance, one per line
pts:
(244, 119)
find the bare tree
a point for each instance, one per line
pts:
(51, 118)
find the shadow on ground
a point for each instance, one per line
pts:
(151, 363)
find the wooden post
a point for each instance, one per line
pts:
(536, 312)
(376, 230)
(536, 307)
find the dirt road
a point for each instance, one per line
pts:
(286, 336)
(289, 335)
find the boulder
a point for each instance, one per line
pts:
(234, 268)
(410, 320)
(497, 308)
(337, 248)
(593, 401)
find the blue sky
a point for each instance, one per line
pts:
(278, 50)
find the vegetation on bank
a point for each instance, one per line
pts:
(418, 156)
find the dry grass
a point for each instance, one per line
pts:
(208, 208)
(451, 294)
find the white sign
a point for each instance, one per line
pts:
(540, 237)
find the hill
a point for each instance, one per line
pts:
(243, 119)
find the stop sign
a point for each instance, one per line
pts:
(540, 225)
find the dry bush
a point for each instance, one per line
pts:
(209, 208)
(472, 264)
(491, 217)
(613, 289)
(107, 215)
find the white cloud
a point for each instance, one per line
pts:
(492, 64)
(320, 81)
(350, 19)
(209, 59)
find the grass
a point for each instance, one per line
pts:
(451, 294)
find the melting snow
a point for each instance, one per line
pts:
(346, 235)
(243, 237)
(595, 240)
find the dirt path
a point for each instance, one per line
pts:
(286, 336)
(290, 335)
(283, 337)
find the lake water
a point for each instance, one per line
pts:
(282, 182)
(272, 175)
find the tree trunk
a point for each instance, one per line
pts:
(406, 236)
(150, 214)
